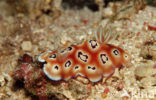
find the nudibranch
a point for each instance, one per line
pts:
(91, 59)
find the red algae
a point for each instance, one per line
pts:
(152, 27)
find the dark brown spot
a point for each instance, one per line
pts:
(89, 67)
(93, 68)
(138, 78)
(149, 42)
(82, 56)
(148, 57)
(69, 48)
(76, 67)
(116, 52)
(102, 59)
(68, 63)
(66, 50)
(52, 56)
(93, 43)
(62, 51)
(56, 67)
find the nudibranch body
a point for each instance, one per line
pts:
(91, 59)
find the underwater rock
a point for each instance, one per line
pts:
(26, 45)
(148, 50)
(145, 70)
(2, 81)
(147, 82)
(29, 76)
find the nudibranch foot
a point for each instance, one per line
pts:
(109, 75)
(44, 55)
(52, 72)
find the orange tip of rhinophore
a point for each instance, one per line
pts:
(42, 55)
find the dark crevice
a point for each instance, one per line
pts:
(79, 4)
(47, 12)
(18, 84)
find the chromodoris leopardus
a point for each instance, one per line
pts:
(91, 59)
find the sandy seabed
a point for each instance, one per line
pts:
(20, 35)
